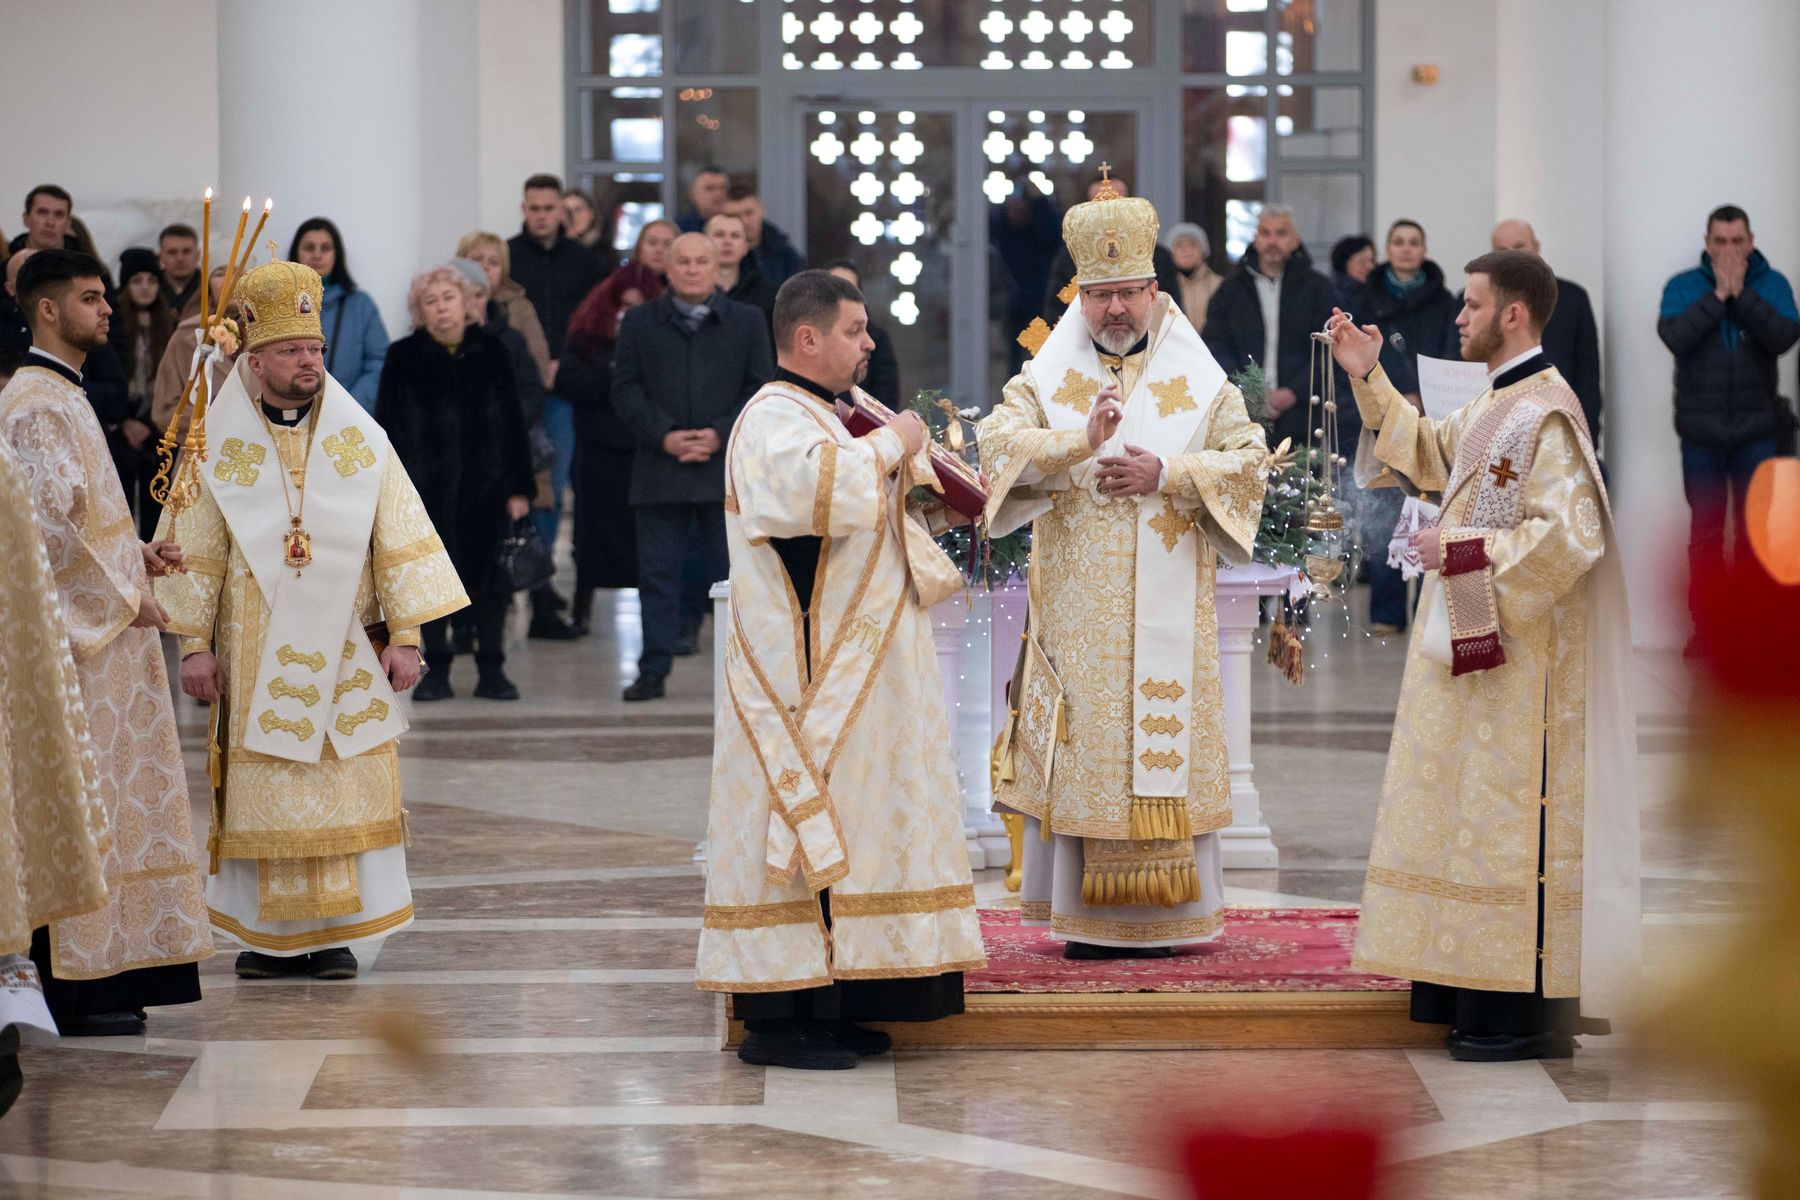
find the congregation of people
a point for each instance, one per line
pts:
(533, 390)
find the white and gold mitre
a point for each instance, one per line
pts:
(1111, 237)
(280, 301)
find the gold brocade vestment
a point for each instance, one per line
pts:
(155, 914)
(1477, 758)
(305, 824)
(1085, 610)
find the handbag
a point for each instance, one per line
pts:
(523, 561)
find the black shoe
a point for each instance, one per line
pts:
(1153, 952)
(547, 626)
(1088, 952)
(647, 687)
(251, 965)
(12, 1081)
(435, 686)
(864, 1043)
(464, 639)
(495, 685)
(798, 1046)
(333, 964)
(112, 1024)
(1509, 1047)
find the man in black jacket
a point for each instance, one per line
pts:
(1571, 339)
(685, 364)
(557, 273)
(1266, 312)
(1727, 321)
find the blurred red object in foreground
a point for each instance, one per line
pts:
(1322, 1160)
(1747, 634)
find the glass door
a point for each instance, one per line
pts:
(952, 215)
(881, 195)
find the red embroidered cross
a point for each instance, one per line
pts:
(1503, 473)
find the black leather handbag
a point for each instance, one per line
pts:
(524, 561)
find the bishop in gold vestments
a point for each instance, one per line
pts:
(1115, 749)
(308, 828)
(153, 924)
(1503, 877)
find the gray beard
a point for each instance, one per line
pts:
(1117, 341)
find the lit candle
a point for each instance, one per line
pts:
(205, 253)
(236, 268)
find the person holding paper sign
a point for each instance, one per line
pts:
(1503, 879)
(1406, 299)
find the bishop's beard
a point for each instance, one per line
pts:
(1117, 339)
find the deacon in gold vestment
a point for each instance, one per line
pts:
(838, 888)
(1133, 454)
(1504, 875)
(52, 821)
(137, 951)
(307, 534)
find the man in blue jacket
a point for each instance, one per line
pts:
(1727, 322)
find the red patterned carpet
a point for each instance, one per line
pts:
(1261, 950)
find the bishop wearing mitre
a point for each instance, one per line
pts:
(1504, 876)
(1132, 456)
(311, 566)
(103, 966)
(839, 888)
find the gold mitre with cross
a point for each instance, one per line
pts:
(1112, 238)
(280, 301)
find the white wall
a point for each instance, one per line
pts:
(1550, 147)
(1435, 145)
(521, 81)
(115, 101)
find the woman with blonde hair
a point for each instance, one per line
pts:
(489, 249)
(450, 405)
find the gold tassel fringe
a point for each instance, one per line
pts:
(1158, 884)
(1287, 653)
(1160, 817)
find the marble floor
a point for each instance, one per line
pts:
(536, 1033)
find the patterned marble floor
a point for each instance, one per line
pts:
(536, 1032)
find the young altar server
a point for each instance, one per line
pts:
(311, 566)
(839, 886)
(1504, 876)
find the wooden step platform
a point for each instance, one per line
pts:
(1169, 1021)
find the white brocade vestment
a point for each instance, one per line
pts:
(809, 790)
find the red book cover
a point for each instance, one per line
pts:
(962, 485)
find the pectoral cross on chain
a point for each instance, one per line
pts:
(1503, 473)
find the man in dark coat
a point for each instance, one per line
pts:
(772, 251)
(1571, 339)
(1728, 322)
(685, 364)
(557, 273)
(1266, 312)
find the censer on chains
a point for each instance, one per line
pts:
(1325, 558)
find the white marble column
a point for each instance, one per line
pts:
(363, 113)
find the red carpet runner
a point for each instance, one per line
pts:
(1261, 950)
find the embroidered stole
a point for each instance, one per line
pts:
(1487, 481)
(319, 677)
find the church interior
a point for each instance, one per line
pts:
(566, 1007)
